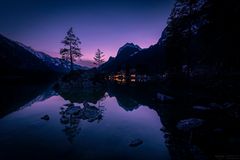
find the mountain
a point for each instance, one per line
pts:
(203, 35)
(200, 34)
(129, 49)
(55, 64)
(132, 56)
(18, 59)
(86, 63)
(124, 53)
(175, 46)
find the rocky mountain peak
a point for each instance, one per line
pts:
(127, 47)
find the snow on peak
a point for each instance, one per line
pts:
(54, 63)
(180, 21)
(38, 54)
(182, 8)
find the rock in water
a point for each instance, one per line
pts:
(135, 143)
(215, 106)
(201, 108)
(73, 110)
(189, 124)
(46, 117)
(164, 98)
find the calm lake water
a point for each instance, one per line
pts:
(24, 135)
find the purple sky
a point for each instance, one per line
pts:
(106, 24)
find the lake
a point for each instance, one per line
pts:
(103, 131)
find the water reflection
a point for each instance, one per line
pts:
(14, 96)
(80, 95)
(106, 120)
(71, 115)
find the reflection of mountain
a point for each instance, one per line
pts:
(130, 97)
(14, 97)
(127, 103)
(45, 95)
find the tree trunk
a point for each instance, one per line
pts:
(189, 39)
(71, 57)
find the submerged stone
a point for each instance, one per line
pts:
(201, 108)
(215, 106)
(46, 118)
(135, 143)
(164, 98)
(228, 105)
(218, 130)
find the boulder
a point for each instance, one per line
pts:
(187, 125)
(135, 142)
(164, 98)
(216, 106)
(45, 117)
(201, 108)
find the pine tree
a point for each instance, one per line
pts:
(189, 58)
(71, 50)
(99, 58)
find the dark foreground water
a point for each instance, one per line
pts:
(24, 135)
(116, 122)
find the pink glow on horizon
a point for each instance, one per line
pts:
(88, 49)
(105, 25)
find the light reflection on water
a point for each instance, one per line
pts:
(23, 135)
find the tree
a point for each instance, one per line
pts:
(189, 58)
(99, 57)
(71, 50)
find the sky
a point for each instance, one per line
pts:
(103, 24)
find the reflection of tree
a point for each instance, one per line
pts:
(180, 148)
(80, 95)
(72, 129)
(71, 116)
(179, 144)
